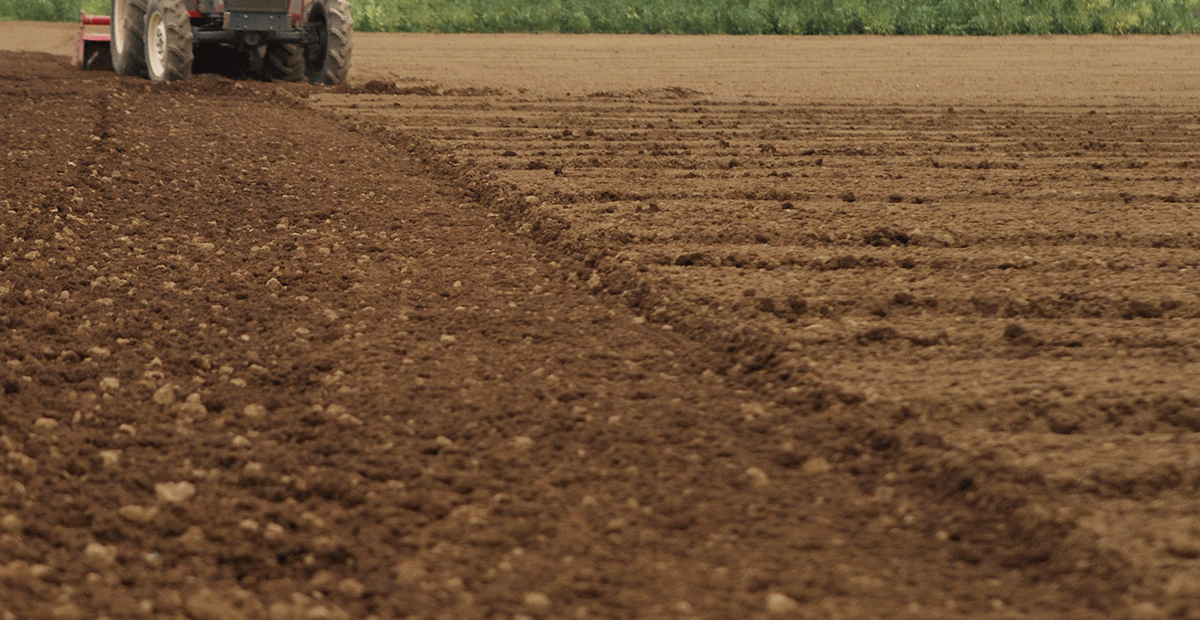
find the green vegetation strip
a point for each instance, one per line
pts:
(955, 17)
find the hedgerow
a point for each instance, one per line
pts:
(785, 17)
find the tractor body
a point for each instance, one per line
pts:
(248, 21)
(276, 40)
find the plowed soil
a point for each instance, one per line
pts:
(480, 337)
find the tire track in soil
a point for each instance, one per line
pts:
(257, 365)
(1013, 280)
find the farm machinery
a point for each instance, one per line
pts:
(277, 40)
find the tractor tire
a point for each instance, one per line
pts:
(328, 60)
(128, 33)
(169, 38)
(279, 62)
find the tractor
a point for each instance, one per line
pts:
(282, 40)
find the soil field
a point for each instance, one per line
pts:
(516, 327)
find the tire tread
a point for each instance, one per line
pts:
(180, 56)
(339, 44)
(131, 60)
(282, 62)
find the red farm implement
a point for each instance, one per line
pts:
(92, 49)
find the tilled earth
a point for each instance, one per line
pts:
(404, 349)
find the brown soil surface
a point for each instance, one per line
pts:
(461, 344)
(1056, 70)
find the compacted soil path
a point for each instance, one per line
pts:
(263, 360)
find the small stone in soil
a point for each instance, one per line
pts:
(138, 514)
(352, 588)
(97, 555)
(311, 521)
(174, 492)
(816, 465)
(22, 463)
(781, 604)
(110, 458)
(537, 601)
(254, 471)
(165, 395)
(753, 409)
(273, 531)
(192, 406)
(11, 523)
(193, 539)
(757, 477)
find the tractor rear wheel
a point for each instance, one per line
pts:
(328, 60)
(279, 62)
(169, 53)
(128, 31)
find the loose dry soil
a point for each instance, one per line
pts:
(612, 327)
